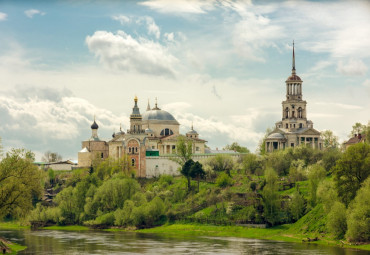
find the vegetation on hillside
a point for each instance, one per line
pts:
(324, 193)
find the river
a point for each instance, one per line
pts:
(100, 242)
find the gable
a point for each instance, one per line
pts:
(310, 131)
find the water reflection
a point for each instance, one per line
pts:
(99, 242)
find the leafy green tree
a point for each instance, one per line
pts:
(236, 147)
(337, 222)
(297, 171)
(186, 171)
(51, 157)
(270, 196)
(222, 163)
(358, 217)
(329, 139)
(123, 216)
(351, 170)
(197, 172)
(327, 194)
(184, 150)
(112, 194)
(66, 201)
(358, 128)
(316, 174)
(279, 160)
(20, 182)
(297, 205)
(330, 158)
(251, 163)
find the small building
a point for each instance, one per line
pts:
(357, 138)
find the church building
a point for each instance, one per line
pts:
(294, 129)
(152, 134)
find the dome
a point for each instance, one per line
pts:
(158, 115)
(148, 130)
(94, 125)
(276, 136)
(192, 132)
(294, 77)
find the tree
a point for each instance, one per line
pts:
(197, 172)
(20, 182)
(337, 223)
(186, 171)
(184, 150)
(222, 162)
(236, 147)
(251, 163)
(316, 173)
(51, 157)
(329, 139)
(352, 170)
(358, 216)
(358, 128)
(270, 196)
(297, 207)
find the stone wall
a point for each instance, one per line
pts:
(156, 166)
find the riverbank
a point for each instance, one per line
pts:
(279, 233)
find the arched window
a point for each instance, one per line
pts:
(129, 150)
(166, 132)
(286, 112)
(299, 112)
(136, 149)
(132, 162)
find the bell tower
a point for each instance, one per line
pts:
(135, 119)
(294, 107)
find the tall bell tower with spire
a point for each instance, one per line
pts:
(294, 107)
(294, 129)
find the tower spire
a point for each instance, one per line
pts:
(293, 61)
(148, 107)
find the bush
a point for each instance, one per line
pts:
(358, 218)
(224, 180)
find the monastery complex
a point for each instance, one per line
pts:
(151, 140)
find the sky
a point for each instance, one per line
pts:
(220, 65)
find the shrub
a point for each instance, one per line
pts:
(224, 180)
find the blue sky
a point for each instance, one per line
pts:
(219, 64)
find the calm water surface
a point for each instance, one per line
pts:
(98, 242)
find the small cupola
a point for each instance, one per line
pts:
(192, 133)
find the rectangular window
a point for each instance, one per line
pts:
(197, 148)
(292, 145)
(173, 147)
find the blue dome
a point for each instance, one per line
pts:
(94, 125)
(158, 115)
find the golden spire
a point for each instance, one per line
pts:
(135, 99)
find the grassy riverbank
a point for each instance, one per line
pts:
(279, 233)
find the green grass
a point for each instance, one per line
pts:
(16, 248)
(12, 225)
(67, 228)
(278, 233)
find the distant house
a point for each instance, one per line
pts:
(358, 138)
(57, 166)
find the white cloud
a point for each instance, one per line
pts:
(122, 19)
(31, 12)
(153, 29)
(169, 37)
(340, 105)
(3, 16)
(180, 6)
(122, 52)
(352, 67)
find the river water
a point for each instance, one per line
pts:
(99, 242)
